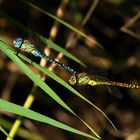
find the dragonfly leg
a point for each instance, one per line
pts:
(17, 52)
(31, 60)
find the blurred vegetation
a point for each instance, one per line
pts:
(115, 52)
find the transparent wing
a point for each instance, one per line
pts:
(112, 90)
(115, 92)
(33, 36)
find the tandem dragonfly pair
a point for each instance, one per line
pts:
(77, 78)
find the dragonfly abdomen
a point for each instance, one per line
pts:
(39, 54)
(59, 64)
(112, 83)
(125, 85)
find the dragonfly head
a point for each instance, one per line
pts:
(18, 42)
(72, 80)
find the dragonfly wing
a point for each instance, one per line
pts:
(112, 90)
(34, 36)
(115, 92)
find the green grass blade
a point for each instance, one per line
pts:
(66, 85)
(4, 132)
(63, 22)
(10, 107)
(22, 131)
(31, 74)
(11, 54)
(6, 49)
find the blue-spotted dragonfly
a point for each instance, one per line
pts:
(86, 79)
(28, 47)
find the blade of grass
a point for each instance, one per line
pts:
(4, 132)
(63, 83)
(11, 54)
(22, 131)
(63, 23)
(10, 107)
(66, 85)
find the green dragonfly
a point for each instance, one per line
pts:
(86, 79)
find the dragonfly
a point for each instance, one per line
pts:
(28, 47)
(91, 80)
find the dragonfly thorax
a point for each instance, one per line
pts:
(18, 42)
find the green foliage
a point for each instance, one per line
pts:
(12, 55)
(10, 107)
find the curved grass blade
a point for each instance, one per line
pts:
(22, 132)
(7, 50)
(10, 107)
(4, 132)
(11, 54)
(63, 23)
(66, 85)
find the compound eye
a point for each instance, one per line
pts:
(18, 42)
(72, 80)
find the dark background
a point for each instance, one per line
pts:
(118, 61)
